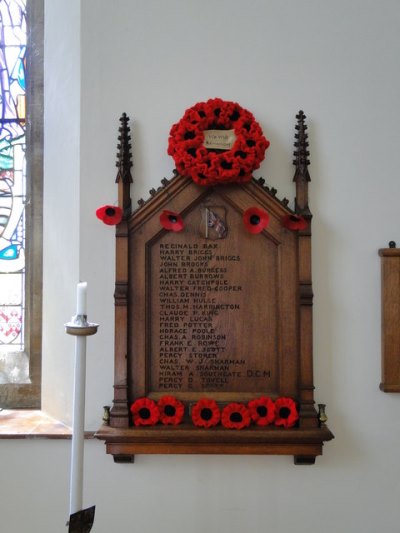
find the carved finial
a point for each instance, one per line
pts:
(322, 415)
(301, 153)
(301, 161)
(124, 155)
(124, 164)
(392, 244)
(106, 415)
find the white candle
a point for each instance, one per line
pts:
(76, 485)
(78, 421)
(80, 328)
(81, 291)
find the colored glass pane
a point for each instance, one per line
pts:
(13, 37)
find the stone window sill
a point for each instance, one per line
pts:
(32, 424)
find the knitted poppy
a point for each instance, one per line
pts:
(219, 164)
(171, 221)
(294, 222)
(255, 219)
(286, 414)
(206, 413)
(171, 410)
(235, 416)
(145, 412)
(262, 411)
(109, 214)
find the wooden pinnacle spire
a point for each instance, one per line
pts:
(124, 165)
(301, 162)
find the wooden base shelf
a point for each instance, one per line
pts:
(303, 444)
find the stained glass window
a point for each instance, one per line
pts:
(13, 41)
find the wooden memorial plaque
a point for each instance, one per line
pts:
(390, 282)
(213, 311)
(215, 308)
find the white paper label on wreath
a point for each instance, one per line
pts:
(219, 139)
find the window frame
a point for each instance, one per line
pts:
(14, 395)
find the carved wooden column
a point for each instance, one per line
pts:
(302, 178)
(119, 412)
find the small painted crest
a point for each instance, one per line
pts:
(213, 223)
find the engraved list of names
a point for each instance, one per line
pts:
(201, 327)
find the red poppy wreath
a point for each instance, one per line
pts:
(237, 148)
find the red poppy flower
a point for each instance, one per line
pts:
(286, 414)
(262, 411)
(171, 410)
(294, 222)
(206, 413)
(255, 219)
(211, 167)
(145, 412)
(235, 416)
(171, 221)
(109, 214)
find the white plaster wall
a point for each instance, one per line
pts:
(339, 62)
(61, 217)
